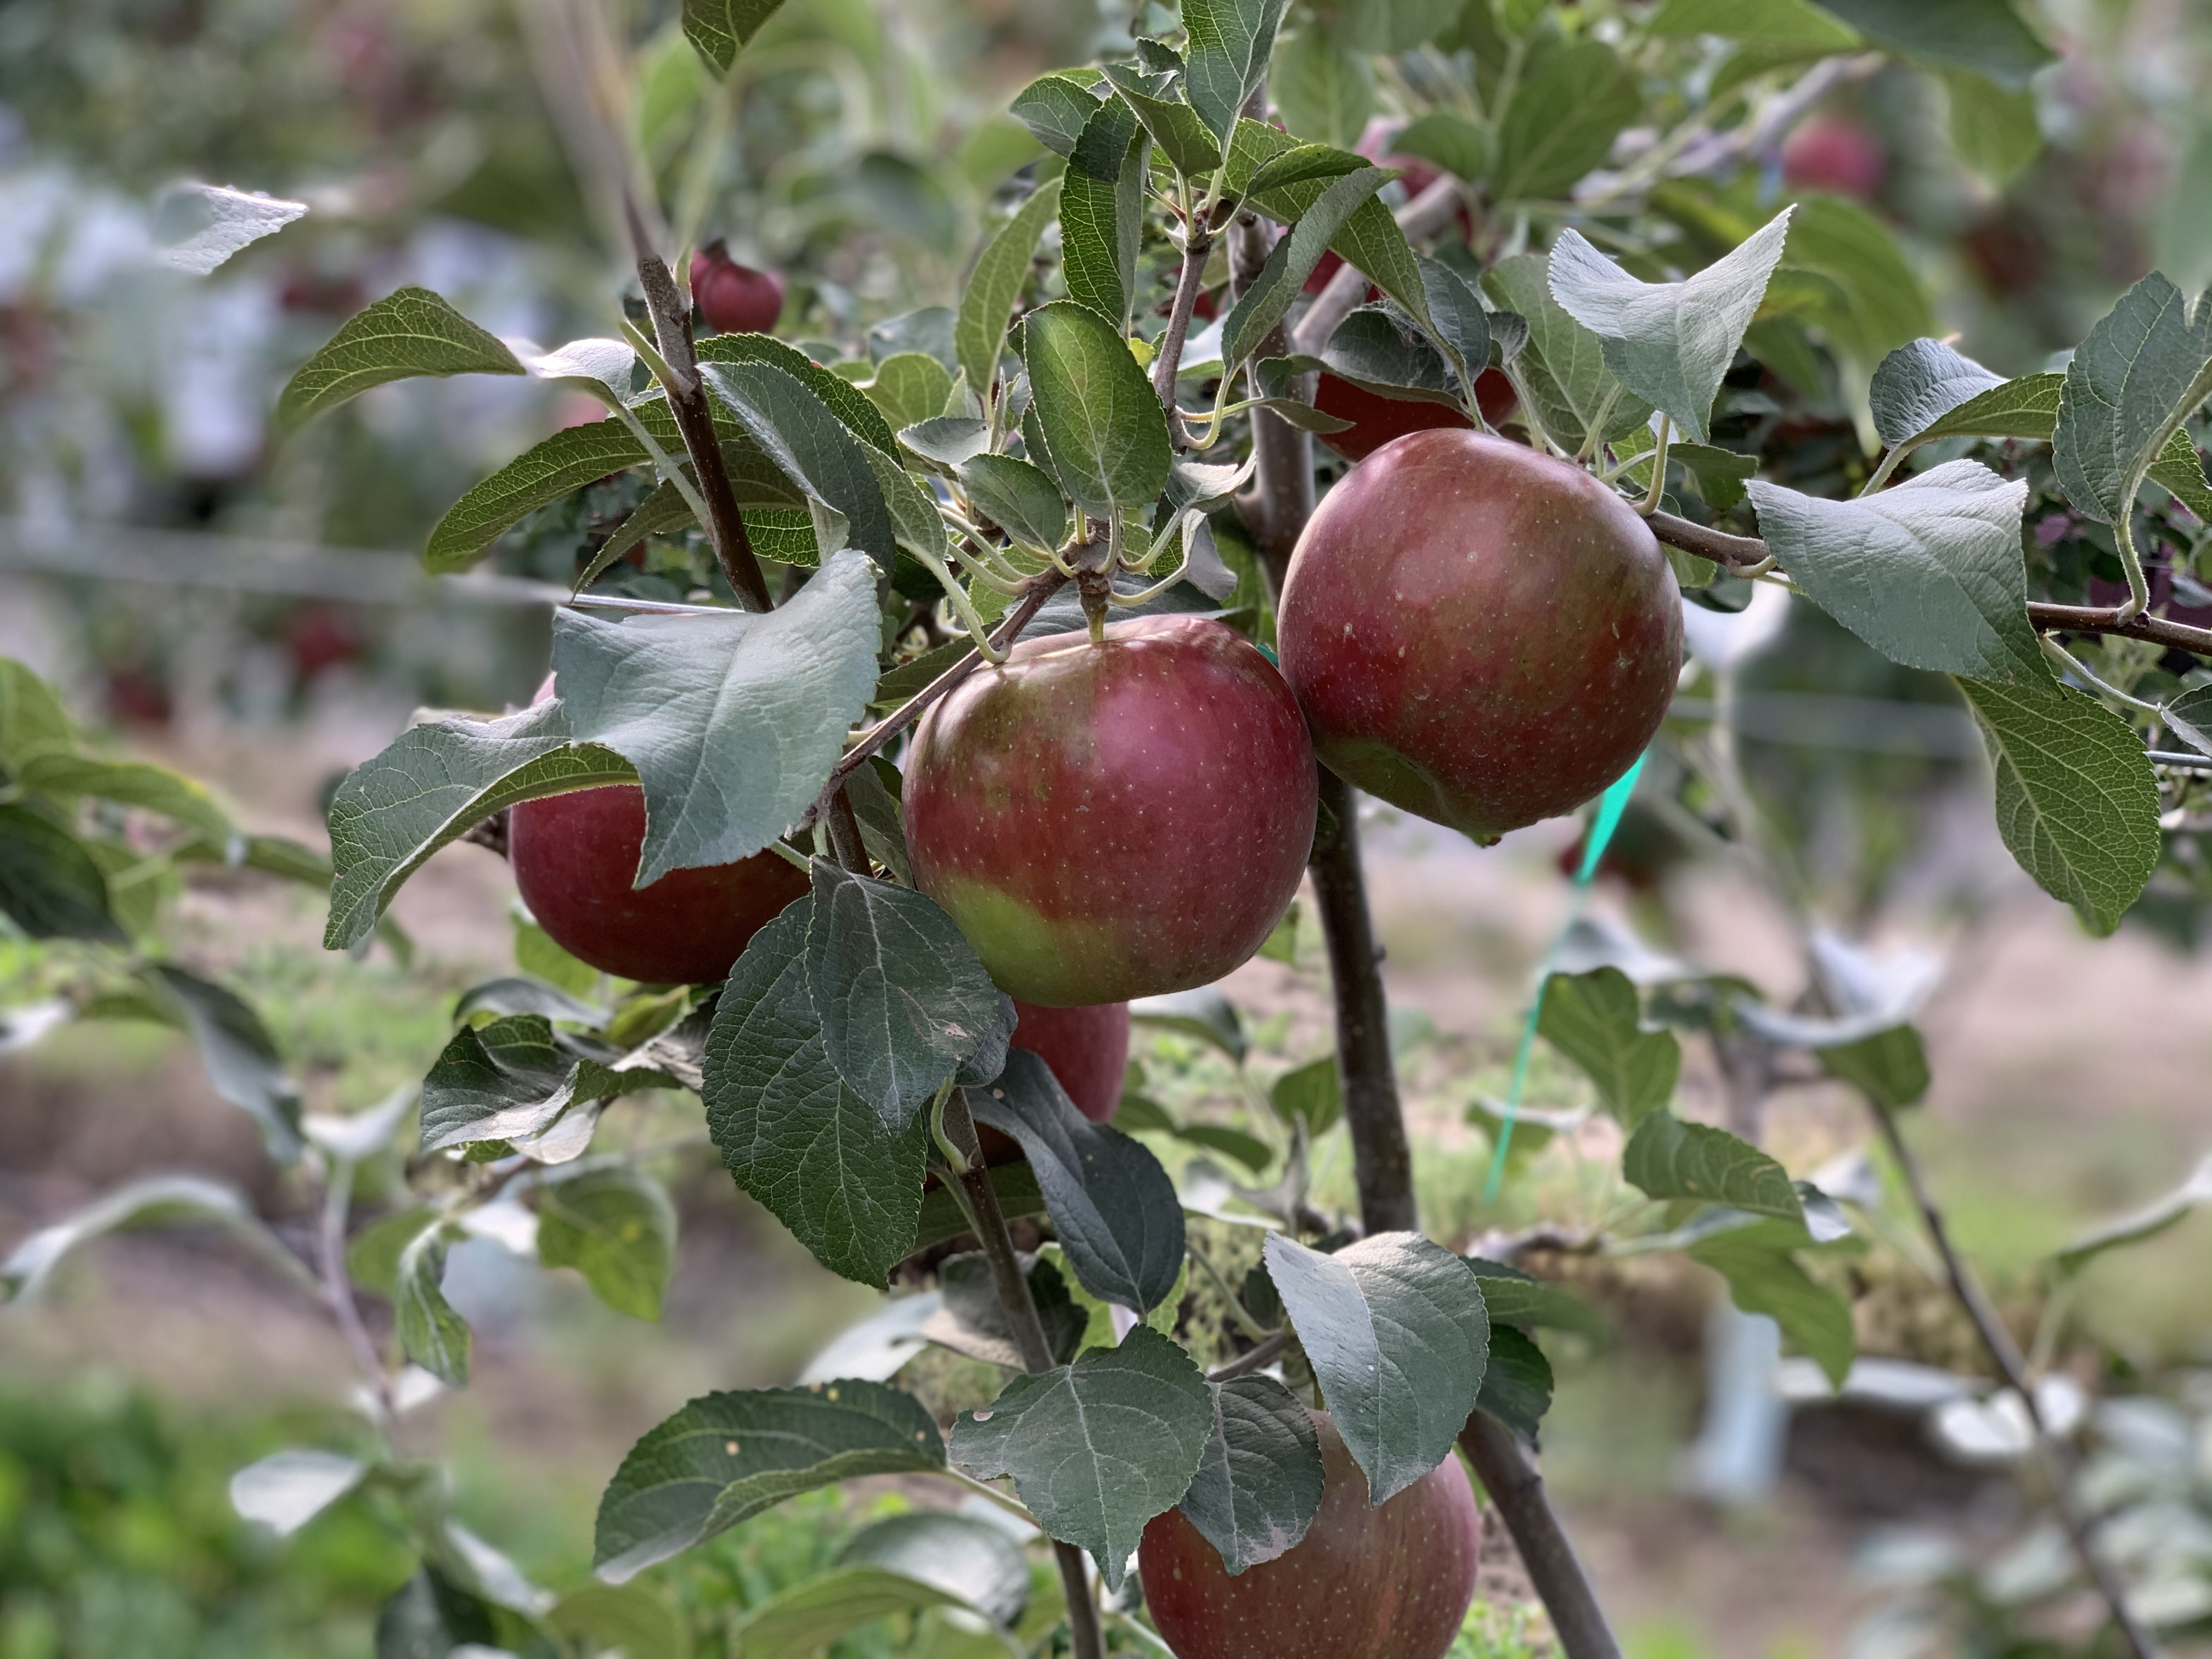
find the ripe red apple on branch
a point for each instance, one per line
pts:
(734, 299)
(1366, 1581)
(1479, 634)
(1086, 1047)
(1114, 820)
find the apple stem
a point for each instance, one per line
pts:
(687, 401)
(981, 1205)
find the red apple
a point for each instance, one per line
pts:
(1391, 1581)
(575, 858)
(1115, 820)
(1375, 420)
(1086, 1047)
(734, 299)
(1479, 634)
(1834, 152)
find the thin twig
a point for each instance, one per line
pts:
(1280, 499)
(337, 1289)
(1514, 1485)
(1744, 554)
(687, 401)
(1246, 1363)
(1197, 245)
(1998, 1338)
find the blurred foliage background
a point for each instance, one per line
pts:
(254, 612)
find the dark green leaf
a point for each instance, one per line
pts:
(720, 29)
(1452, 141)
(726, 1457)
(1763, 1280)
(873, 791)
(1514, 1298)
(812, 445)
(432, 784)
(1776, 23)
(987, 304)
(627, 1619)
(1102, 206)
(1112, 1205)
(1596, 1021)
(432, 1334)
(1993, 129)
(942, 1220)
(2076, 800)
(790, 1131)
(616, 1226)
(409, 333)
(1287, 183)
(1227, 56)
(1259, 1483)
(1173, 125)
(2139, 373)
(947, 440)
(1517, 1384)
(1668, 342)
(1562, 120)
(971, 1560)
(1929, 572)
(1019, 498)
(1324, 92)
(238, 1053)
(800, 1621)
(1986, 36)
(1265, 301)
(1108, 436)
(129, 783)
(909, 386)
(1054, 108)
(1395, 1328)
(1456, 315)
(49, 885)
(558, 466)
(429, 1616)
(1921, 382)
(845, 400)
(733, 721)
(1561, 372)
(1668, 1158)
(900, 996)
(372, 1256)
(1311, 1094)
(1890, 1067)
(1873, 301)
(1098, 1448)
(1390, 26)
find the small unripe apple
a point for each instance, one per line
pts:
(575, 858)
(1116, 820)
(1086, 1047)
(1835, 153)
(1366, 1581)
(734, 299)
(1479, 634)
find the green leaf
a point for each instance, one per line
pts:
(616, 1226)
(942, 1219)
(1452, 141)
(1102, 211)
(1267, 300)
(431, 1334)
(1395, 1331)
(198, 227)
(1514, 1297)
(1986, 36)
(812, 447)
(1102, 423)
(558, 466)
(1928, 572)
(987, 304)
(1204, 1015)
(1764, 1280)
(2132, 1228)
(408, 334)
(372, 1256)
(286, 1490)
(50, 887)
(1668, 342)
(1993, 129)
(1596, 1021)
(432, 784)
(726, 1457)
(1561, 373)
(1890, 1068)
(2143, 369)
(844, 400)
(1324, 92)
(733, 721)
(1056, 107)
(1173, 124)
(1259, 1484)
(900, 996)
(1562, 120)
(157, 1200)
(1098, 1448)
(662, 512)
(1019, 498)
(873, 791)
(973, 1561)
(1873, 300)
(129, 783)
(1311, 1094)
(1289, 184)
(1923, 380)
(1668, 1158)
(947, 442)
(1517, 1384)
(909, 387)
(1112, 1205)
(431, 1614)
(1230, 41)
(1369, 350)
(32, 718)
(798, 1622)
(2076, 800)
(626, 1618)
(508, 1080)
(237, 1053)
(790, 1131)
(720, 29)
(1779, 23)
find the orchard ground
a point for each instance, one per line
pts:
(2023, 1133)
